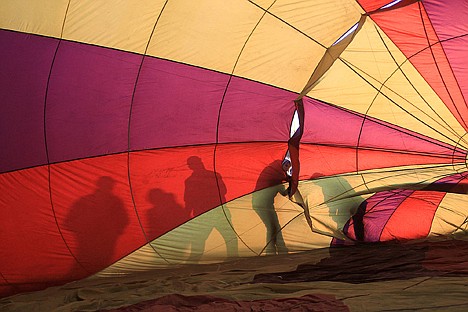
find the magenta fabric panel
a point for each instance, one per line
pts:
(377, 134)
(330, 125)
(175, 105)
(378, 211)
(253, 111)
(24, 70)
(449, 19)
(89, 99)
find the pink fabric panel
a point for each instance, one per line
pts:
(330, 125)
(449, 19)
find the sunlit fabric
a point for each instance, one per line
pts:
(137, 135)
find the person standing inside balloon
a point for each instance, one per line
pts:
(269, 184)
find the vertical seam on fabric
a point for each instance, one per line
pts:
(219, 120)
(46, 143)
(128, 135)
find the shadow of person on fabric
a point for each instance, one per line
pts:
(339, 189)
(205, 190)
(269, 184)
(164, 215)
(97, 221)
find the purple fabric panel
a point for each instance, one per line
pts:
(175, 105)
(255, 112)
(24, 70)
(457, 52)
(453, 179)
(389, 137)
(380, 208)
(327, 124)
(449, 19)
(89, 101)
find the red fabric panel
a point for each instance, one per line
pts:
(369, 159)
(163, 193)
(411, 30)
(95, 211)
(413, 218)
(317, 160)
(371, 5)
(241, 166)
(32, 250)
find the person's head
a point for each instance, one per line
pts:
(286, 164)
(156, 196)
(195, 163)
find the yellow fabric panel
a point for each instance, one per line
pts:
(405, 87)
(206, 33)
(332, 201)
(341, 86)
(451, 217)
(415, 177)
(143, 259)
(252, 224)
(277, 54)
(265, 4)
(369, 58)
(323, 20)
(124, 25)
(32, 16)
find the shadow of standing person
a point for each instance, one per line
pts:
(97, 221)
(205, 190)
(352, 206)
(269, 184)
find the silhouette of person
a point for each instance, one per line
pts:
(97, 221)
(270, 182)
(337, 189)
(204, 190)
